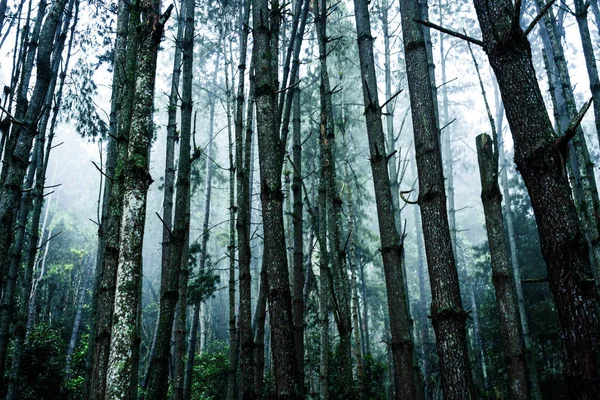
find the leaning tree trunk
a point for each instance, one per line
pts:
(391, 244)
(158, 384)
(271, 151)
(33, 45)
(590, 59)
(80, 302)
(24, 133)
(448, 316)
(124, 337)
(540, 159)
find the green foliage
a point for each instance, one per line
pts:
(41, 375)
(210, 373)
(203, 283)
(76, 376)
(339, 388)
(374, 377)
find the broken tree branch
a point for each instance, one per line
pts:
(537, 18)
(451, 32)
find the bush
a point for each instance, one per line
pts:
(209, 380)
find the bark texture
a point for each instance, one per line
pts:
(170, 276)
(121, 372)
(18, 160)
(108, 232)
(512, 338)
(538, 157)
(271, 151)
(391, 244)
(447, 313)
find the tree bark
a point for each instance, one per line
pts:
(355, 307)
(22, 105)
(10, 190)
(514, 257)
(538, 158)
(586, 192)
(259, 337)
(170, 277)
(124, 337)
(447, 313)
(40, 166)
(298, 269)
(427, 359)
(340, 287)
(271, 152)
(108, 232)
(392, 245)
(234, 340)
(242, 160)
(512, 339)
(590, 59)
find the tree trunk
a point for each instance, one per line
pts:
(234, 341)
(33, 45)
(512, 339)
(124, 337)
(208, 173)
(590, 59)
(81, 295)
(109, 230)
(365, 310)
(586, 192)
(391, 244)
(514, 258)
(170, 278)
(538, 158)
(340, 286)
(447, 313)
(10, 191)
(427, 359)
(271, 152)
(42, 159)
(355, 307)
(242, 160)
(325, 292)
(502, 277)
(298, 269)
(259, 337)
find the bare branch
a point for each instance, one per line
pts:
(537, 18)
(391, 98)
(451, 32)
(49, 239)
(562, 141)
(402, 193)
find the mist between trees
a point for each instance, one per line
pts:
(254, 199)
